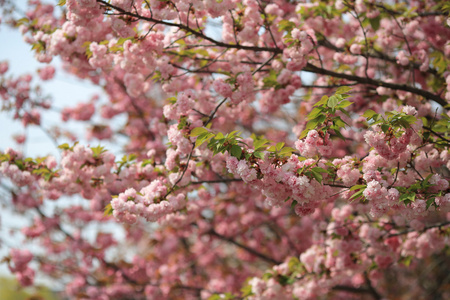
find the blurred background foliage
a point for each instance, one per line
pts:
(11, 290)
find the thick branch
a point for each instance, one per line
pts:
(364, 80)
(190, 30)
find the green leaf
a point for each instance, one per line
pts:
(279, 146)
(287, 151)
(64, 146)
(236, 151)
(375, 22)
(339, 134)
(408, 197)
(258, 154)
(357, 187)
(322, 101)
(285, 25)
(203, 138)
(108, 210)
(293, 203)
(406, 260)
(332, 101)
(22, 21)
(317, 176)
(96, 151)
(384, 127)
(172, 100)
(258, 144)
(430, 202)
(234, 133)
(271, 80)
(303, 134)
(344, 104)
(357, 195)
(319, 170)
(40, 171)
(246, 290)
(339, 122)
(197, 131)
(314, 113)
(61, 2)
(311, 124)
(368, 114)
(267, 276)
(343, 90)
(410, 119)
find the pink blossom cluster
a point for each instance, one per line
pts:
(241, 169)
(21, 258)
(100, 132)
(19, 96)
(347, 171)
(396, 146)
(313, 144)
(81, 112)
(148, 203)
(12, 171)
(47, 73)
(274, 98)
(4, 66)
(278, 184)
(185, 102)
(90, 171)
(244, 87)
(222, 88)
(303, 45)
(178, 139)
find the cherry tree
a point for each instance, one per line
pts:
(273, 149)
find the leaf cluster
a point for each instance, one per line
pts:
(409, 194)
(34, 166)
(360, 188)
(233, 143)
(219, 143)
(125, 162)
(313, 172)
(323, 116)
(392, 124)
(270, 81)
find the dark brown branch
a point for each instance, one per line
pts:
(188, 29)
(345, 288)
(396, 174)
(425, 229)
(436, 134)
(364, 80)
(217, 181)
(248, 249)
(371, 289)
(373, 54)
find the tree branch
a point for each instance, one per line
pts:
(364, 80)
(248, 249)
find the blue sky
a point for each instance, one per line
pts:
(65, 90)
